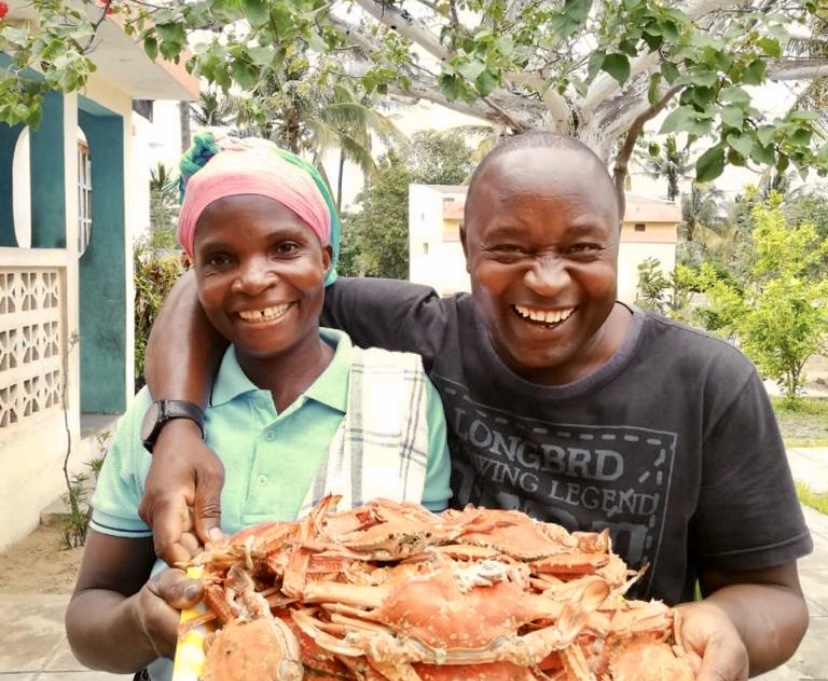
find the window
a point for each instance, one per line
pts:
(640, 227)
(84, 197)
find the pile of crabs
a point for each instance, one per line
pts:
(392, 592)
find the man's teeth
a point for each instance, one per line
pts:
(264, 315)
(544, 316)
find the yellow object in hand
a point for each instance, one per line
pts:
(189, 654)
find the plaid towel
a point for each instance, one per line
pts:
(381, 447)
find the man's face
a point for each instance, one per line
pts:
(260, 272)
(541, 243)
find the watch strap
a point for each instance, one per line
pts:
(181, 409)
(169, 410)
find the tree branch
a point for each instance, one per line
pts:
(622, 160)
(798, 69)
(402, 22)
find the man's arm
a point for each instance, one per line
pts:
(183, 355)
(749, 622)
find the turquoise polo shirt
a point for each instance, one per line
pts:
(270, 458)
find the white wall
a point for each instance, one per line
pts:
(443, 265)
(630, 255)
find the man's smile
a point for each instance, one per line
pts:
(541, 316)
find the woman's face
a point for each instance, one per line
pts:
(260, 271)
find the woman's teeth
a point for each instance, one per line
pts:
(264, 315)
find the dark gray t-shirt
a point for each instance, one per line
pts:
(672, 444)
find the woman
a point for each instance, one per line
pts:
(296, 411)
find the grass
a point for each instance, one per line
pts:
(816, 500)
(803, 423)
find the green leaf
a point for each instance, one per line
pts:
(741, 143)
(317, 43)
(770, 46)
(573, 15)
(754, 73)
(486, 82)
(450, 86)
(710, 164)
(733, 116)
(677, 120)
(260, 56)
(763, 154)
(734, 95)
(256, 12)
(580, 86)
(701, 74)
(618, 66)
(171, 32)
(654, 41)
(686, 119)
(654, 91)
(505, 45)
(701, 96)
(151, 47)
(801, 137)
(802, 115)
(245, 74)
(471, 69)
(765, 134)
(596, 59)
(669, 71)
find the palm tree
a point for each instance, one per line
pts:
(701, 212)
(815, 46)
(214, 109)
(306, 110)
(668, 162)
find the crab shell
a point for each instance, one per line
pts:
(643, 659)
(253, 650)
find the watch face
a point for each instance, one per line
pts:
(150, 421)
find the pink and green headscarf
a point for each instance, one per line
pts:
(215, 168)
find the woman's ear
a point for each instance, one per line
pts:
(327, 257)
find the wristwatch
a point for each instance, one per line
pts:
(161, 412)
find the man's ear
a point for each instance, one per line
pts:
(463, 243)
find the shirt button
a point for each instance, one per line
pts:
(262, 480)
(270, 436)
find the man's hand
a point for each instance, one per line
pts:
(158, 608)
(182, 498)
(749, 622)
(716, 650)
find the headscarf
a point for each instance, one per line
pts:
(215, 167)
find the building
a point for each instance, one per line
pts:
(71, 196)
(649, 230)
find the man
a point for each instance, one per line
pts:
(563, 403)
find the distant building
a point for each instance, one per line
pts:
(72, 194)
(649, 230)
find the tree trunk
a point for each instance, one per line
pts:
(339, 181)
(184, 122)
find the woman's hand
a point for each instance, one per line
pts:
(158, 607)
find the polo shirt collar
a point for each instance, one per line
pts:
(331, 388)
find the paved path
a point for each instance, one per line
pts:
(33, 644)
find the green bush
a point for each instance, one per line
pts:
(155, 274)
